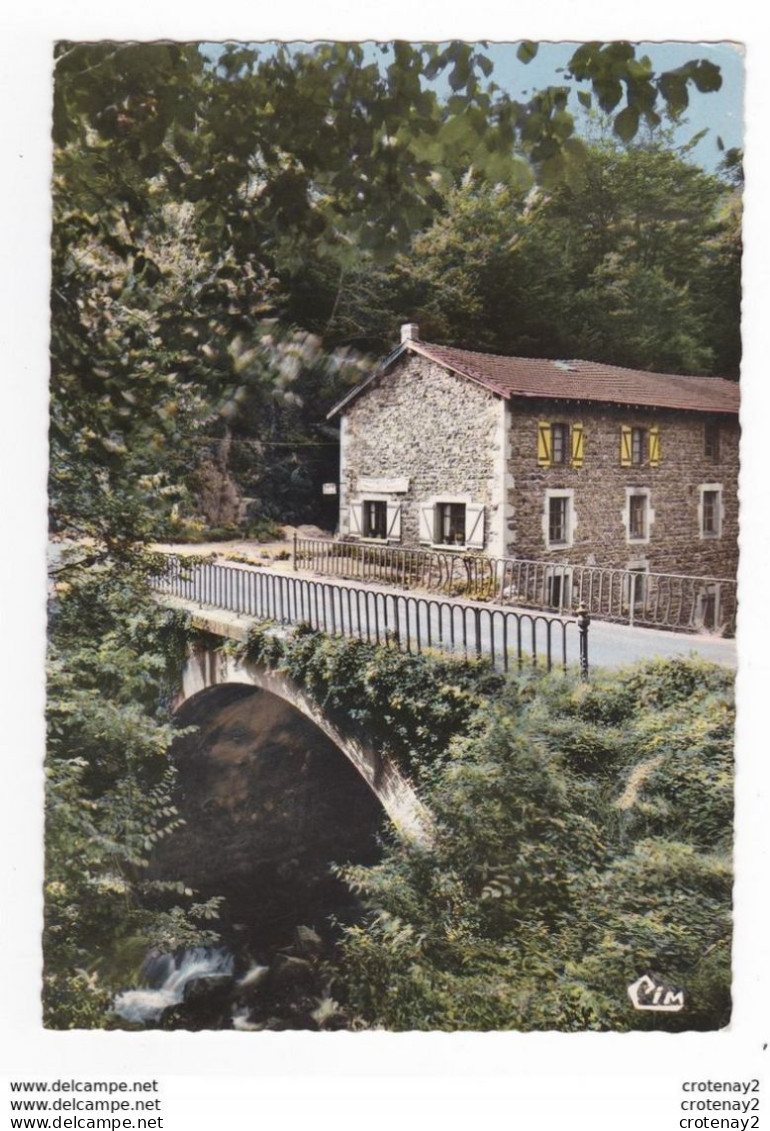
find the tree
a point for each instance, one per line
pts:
(108, 793)
(618, 263)
(188, 196)
(718, 286)
(582, 837)
(635, 224)
(193, 195)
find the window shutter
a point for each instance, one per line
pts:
(394, 522)
(625, 445)
(544, 444)
(655, 446)
(474, 526)
(426, 522)
(354, 519)
(577, 445)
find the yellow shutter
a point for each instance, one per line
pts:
(577, 445)
(544, 444)
(625, 445)
(654, 446)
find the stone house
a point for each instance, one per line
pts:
(565, 461)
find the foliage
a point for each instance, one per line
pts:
(633, 260)
(410, 707)
(582, 838)
(214, 216)
(191, 532)
(210, 217)
(292, 148)
(108, 792)
(159, 330)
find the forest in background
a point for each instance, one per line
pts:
(234, 244)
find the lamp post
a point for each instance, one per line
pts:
(583, 621)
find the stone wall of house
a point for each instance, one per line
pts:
(441, 432)
(599, 487)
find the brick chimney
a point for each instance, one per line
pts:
(410, 332)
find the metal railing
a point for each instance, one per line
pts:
(662, 600)
(413, 624)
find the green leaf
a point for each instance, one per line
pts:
(673, 87)
(609, 92)
(526, 52)
(627, 123)
(584, 98)
(706, 76)
(458, 76)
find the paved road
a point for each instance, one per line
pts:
(613, 645)
(375, 613)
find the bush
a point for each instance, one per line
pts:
(411, 706)
(582, 838)
(195, 532)
(113, 660)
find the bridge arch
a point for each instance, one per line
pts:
(208, 668)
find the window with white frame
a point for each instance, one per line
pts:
(455, 522)
(710, 510)
(558, 587)
(375, 518)
(558, 519)
(636, 586)
(638, 515)
(710, 523)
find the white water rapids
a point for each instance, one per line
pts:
(172, 976)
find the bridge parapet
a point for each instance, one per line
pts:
(507, 638)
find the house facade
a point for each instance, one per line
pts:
(571, 462)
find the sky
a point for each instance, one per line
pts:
(720, 113)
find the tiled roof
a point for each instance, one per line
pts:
(585, 380)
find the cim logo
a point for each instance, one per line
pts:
(649, 992)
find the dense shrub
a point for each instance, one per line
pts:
(409, 706)
(113, 658)
(582, 839)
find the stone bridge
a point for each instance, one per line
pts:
(210, 668)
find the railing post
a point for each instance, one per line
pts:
(294, 553)
(583, 621)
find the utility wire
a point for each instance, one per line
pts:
(265, 443)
